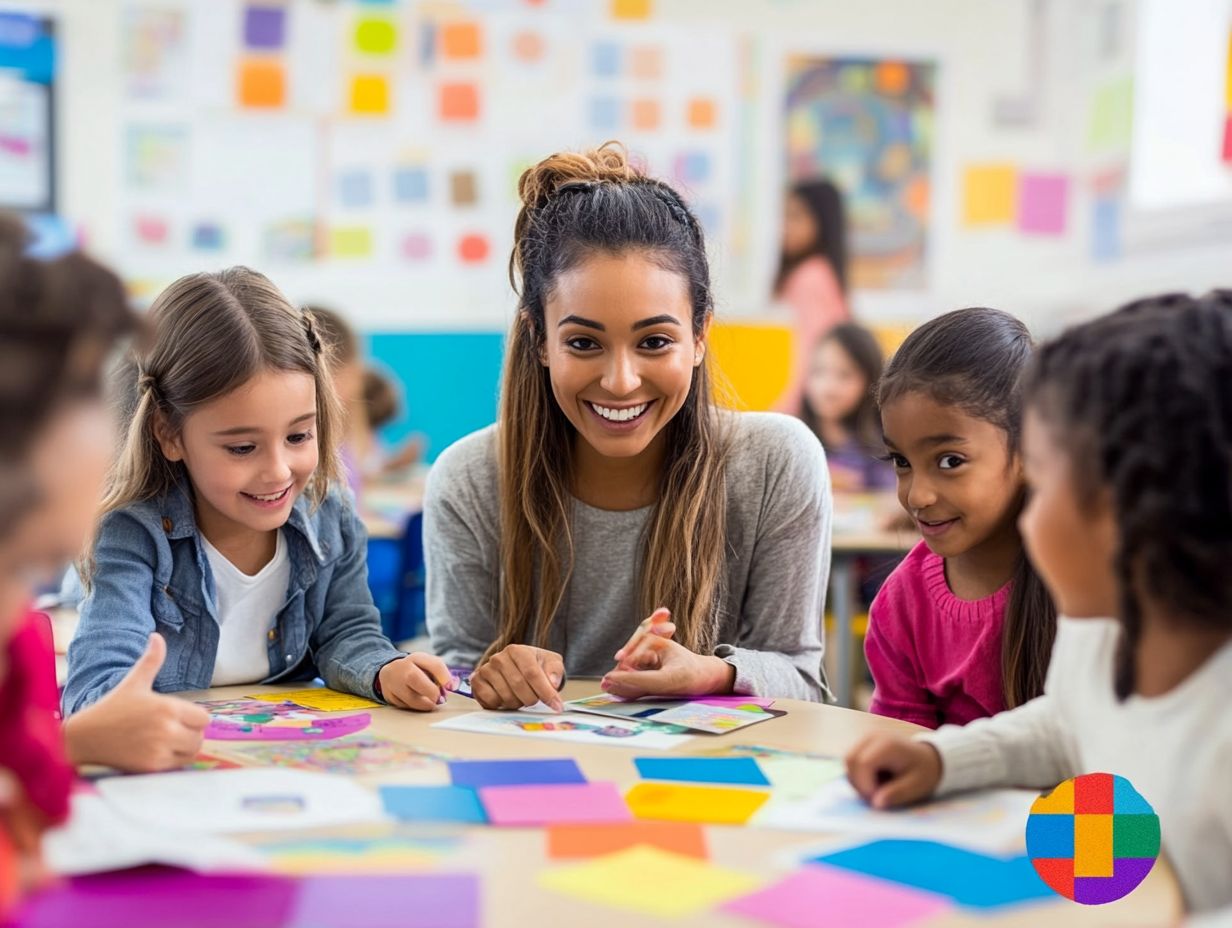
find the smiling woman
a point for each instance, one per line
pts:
(614, 522)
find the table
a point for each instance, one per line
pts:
(508, 859)
(857, 532)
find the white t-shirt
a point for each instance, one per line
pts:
(247, 607)
(1176, 749)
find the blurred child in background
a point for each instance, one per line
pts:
(380, 407)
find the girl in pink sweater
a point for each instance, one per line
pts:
(963, 627)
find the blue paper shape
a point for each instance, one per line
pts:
(476, 773)
(410, 185)
(355, 188)
(433, 804)
(1050, 835)
(742, 770)
(604, 114)
(605, 59)
(969, 878)
(1128, 801)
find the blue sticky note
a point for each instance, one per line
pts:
(605, 114)
(478, 773)
(1106, 229)
(355, 188)
(433, 804)
(605, 59)
(693, 167)
(970, 879)
(410, 185)
(743, 770)
(206, 236)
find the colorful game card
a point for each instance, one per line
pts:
(254, 720)
(714, 716)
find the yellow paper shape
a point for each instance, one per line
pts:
(753, 362)
(989, 194)
(350, 242)
(322, 699)
(370, 94)
(1228, 86)
(715, 805)
(375, 36)
(651, 881)
(1059, 802)
(631, 9)
(1092, 845)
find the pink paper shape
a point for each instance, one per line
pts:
(554, 804)
(318, 730)
(1042, 203)
(733, 701)
(826, 895)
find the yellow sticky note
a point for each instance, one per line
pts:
(323, 699)
(989, 194)
(715, 805)
(370, 94)
(375, 36)
(631, 9)
(752, 363)
(1228, 86)
(350, 242)
(651, 881)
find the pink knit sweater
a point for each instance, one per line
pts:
(935, 658)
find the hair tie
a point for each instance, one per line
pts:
(310, 330)
(147, 383)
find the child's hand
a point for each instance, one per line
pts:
(417, 681)
(890, 770)
(134, 728)
(663, 667)
(519, 676)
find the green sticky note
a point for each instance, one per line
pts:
(1112, 115)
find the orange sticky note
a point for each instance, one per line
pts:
(631, 9)
(989, 194)
(702, 113)
(370, 94)
(461, 40)
(459, 102)
(572, 841)
(262, 83)
(715, 805)
(473, 248)
(645, 114)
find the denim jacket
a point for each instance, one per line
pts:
(151, 574)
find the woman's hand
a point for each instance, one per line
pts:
(662, 667)
(658, 623)
(890, 770)
(519, 676)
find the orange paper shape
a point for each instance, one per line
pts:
(645, 114)
(473, 249)
(459, 102)
(262, 84)
(461, 40)
(702, 113)
(631, 9)
(573, 841)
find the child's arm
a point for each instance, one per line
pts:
(897, 690)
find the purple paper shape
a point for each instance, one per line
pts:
(828, 896)
(1127, 873)
(159, 896)
(319, 730)
(264, 26)
(1042, 203)
(429, 900)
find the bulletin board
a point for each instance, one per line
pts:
(367, 154)
(27, 113)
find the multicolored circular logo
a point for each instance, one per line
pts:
(1093, 839)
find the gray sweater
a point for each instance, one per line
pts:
(778, 543)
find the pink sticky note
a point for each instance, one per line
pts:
(554, 803)
(1042, 203)
(842, 900)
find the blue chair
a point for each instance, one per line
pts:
(412, 609)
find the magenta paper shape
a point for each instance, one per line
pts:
(554, 804)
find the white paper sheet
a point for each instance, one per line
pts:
(568, 726)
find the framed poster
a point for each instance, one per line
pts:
(27, 107)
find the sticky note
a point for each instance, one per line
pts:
(738, 770)
(631, 9)
(711, 804)
(579, 841)
(988, 194)
(207, 236)
(605, 59)
(264, 27)
(1226, 154)
(463, 188)
(473, 248)
(370, 94)
(461, 40)
(645, 115)
(375, 35)
(693, 167)
(416, 246)
(410, 184)
(1111, 115)
(969, 878)
(646, 62)
(550, 804)
(355, 188)
(407, 900)
(151, 230)
(478, 773)
(1042, 203)
(604, 114)
(528, 47)
(649, 881)
(350, 242)
(458, 102)
(326, 700)
(816, 895)
(433, 804)
(261, 84)
(702, 113)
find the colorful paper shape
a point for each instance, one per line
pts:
(463, 188)
(320, 698)
(261, 84)
(318, 729)
(693, 167)
(410, 185)
(989, 194)
(264, 27)
(473, 248)
(604, 114)
(755, 361)
(350, 242)
(354, 191)
(846, 899)
(567, 842)
(605, 59)
(649, 881)
(357, 756)
(554, 804)
(151, 230)
(531, 771)
(631, 9)
(710, 804)
(646, 62)
(433, 804)
(416, 246)
(375, 35)
(645, 115)
(702, 113)
(458, 102)
(734, 770)
(1112, 116)
(461, 41)
(1043, 201)
(207, 236)
(370, 95)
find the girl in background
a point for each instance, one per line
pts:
(963, 627)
